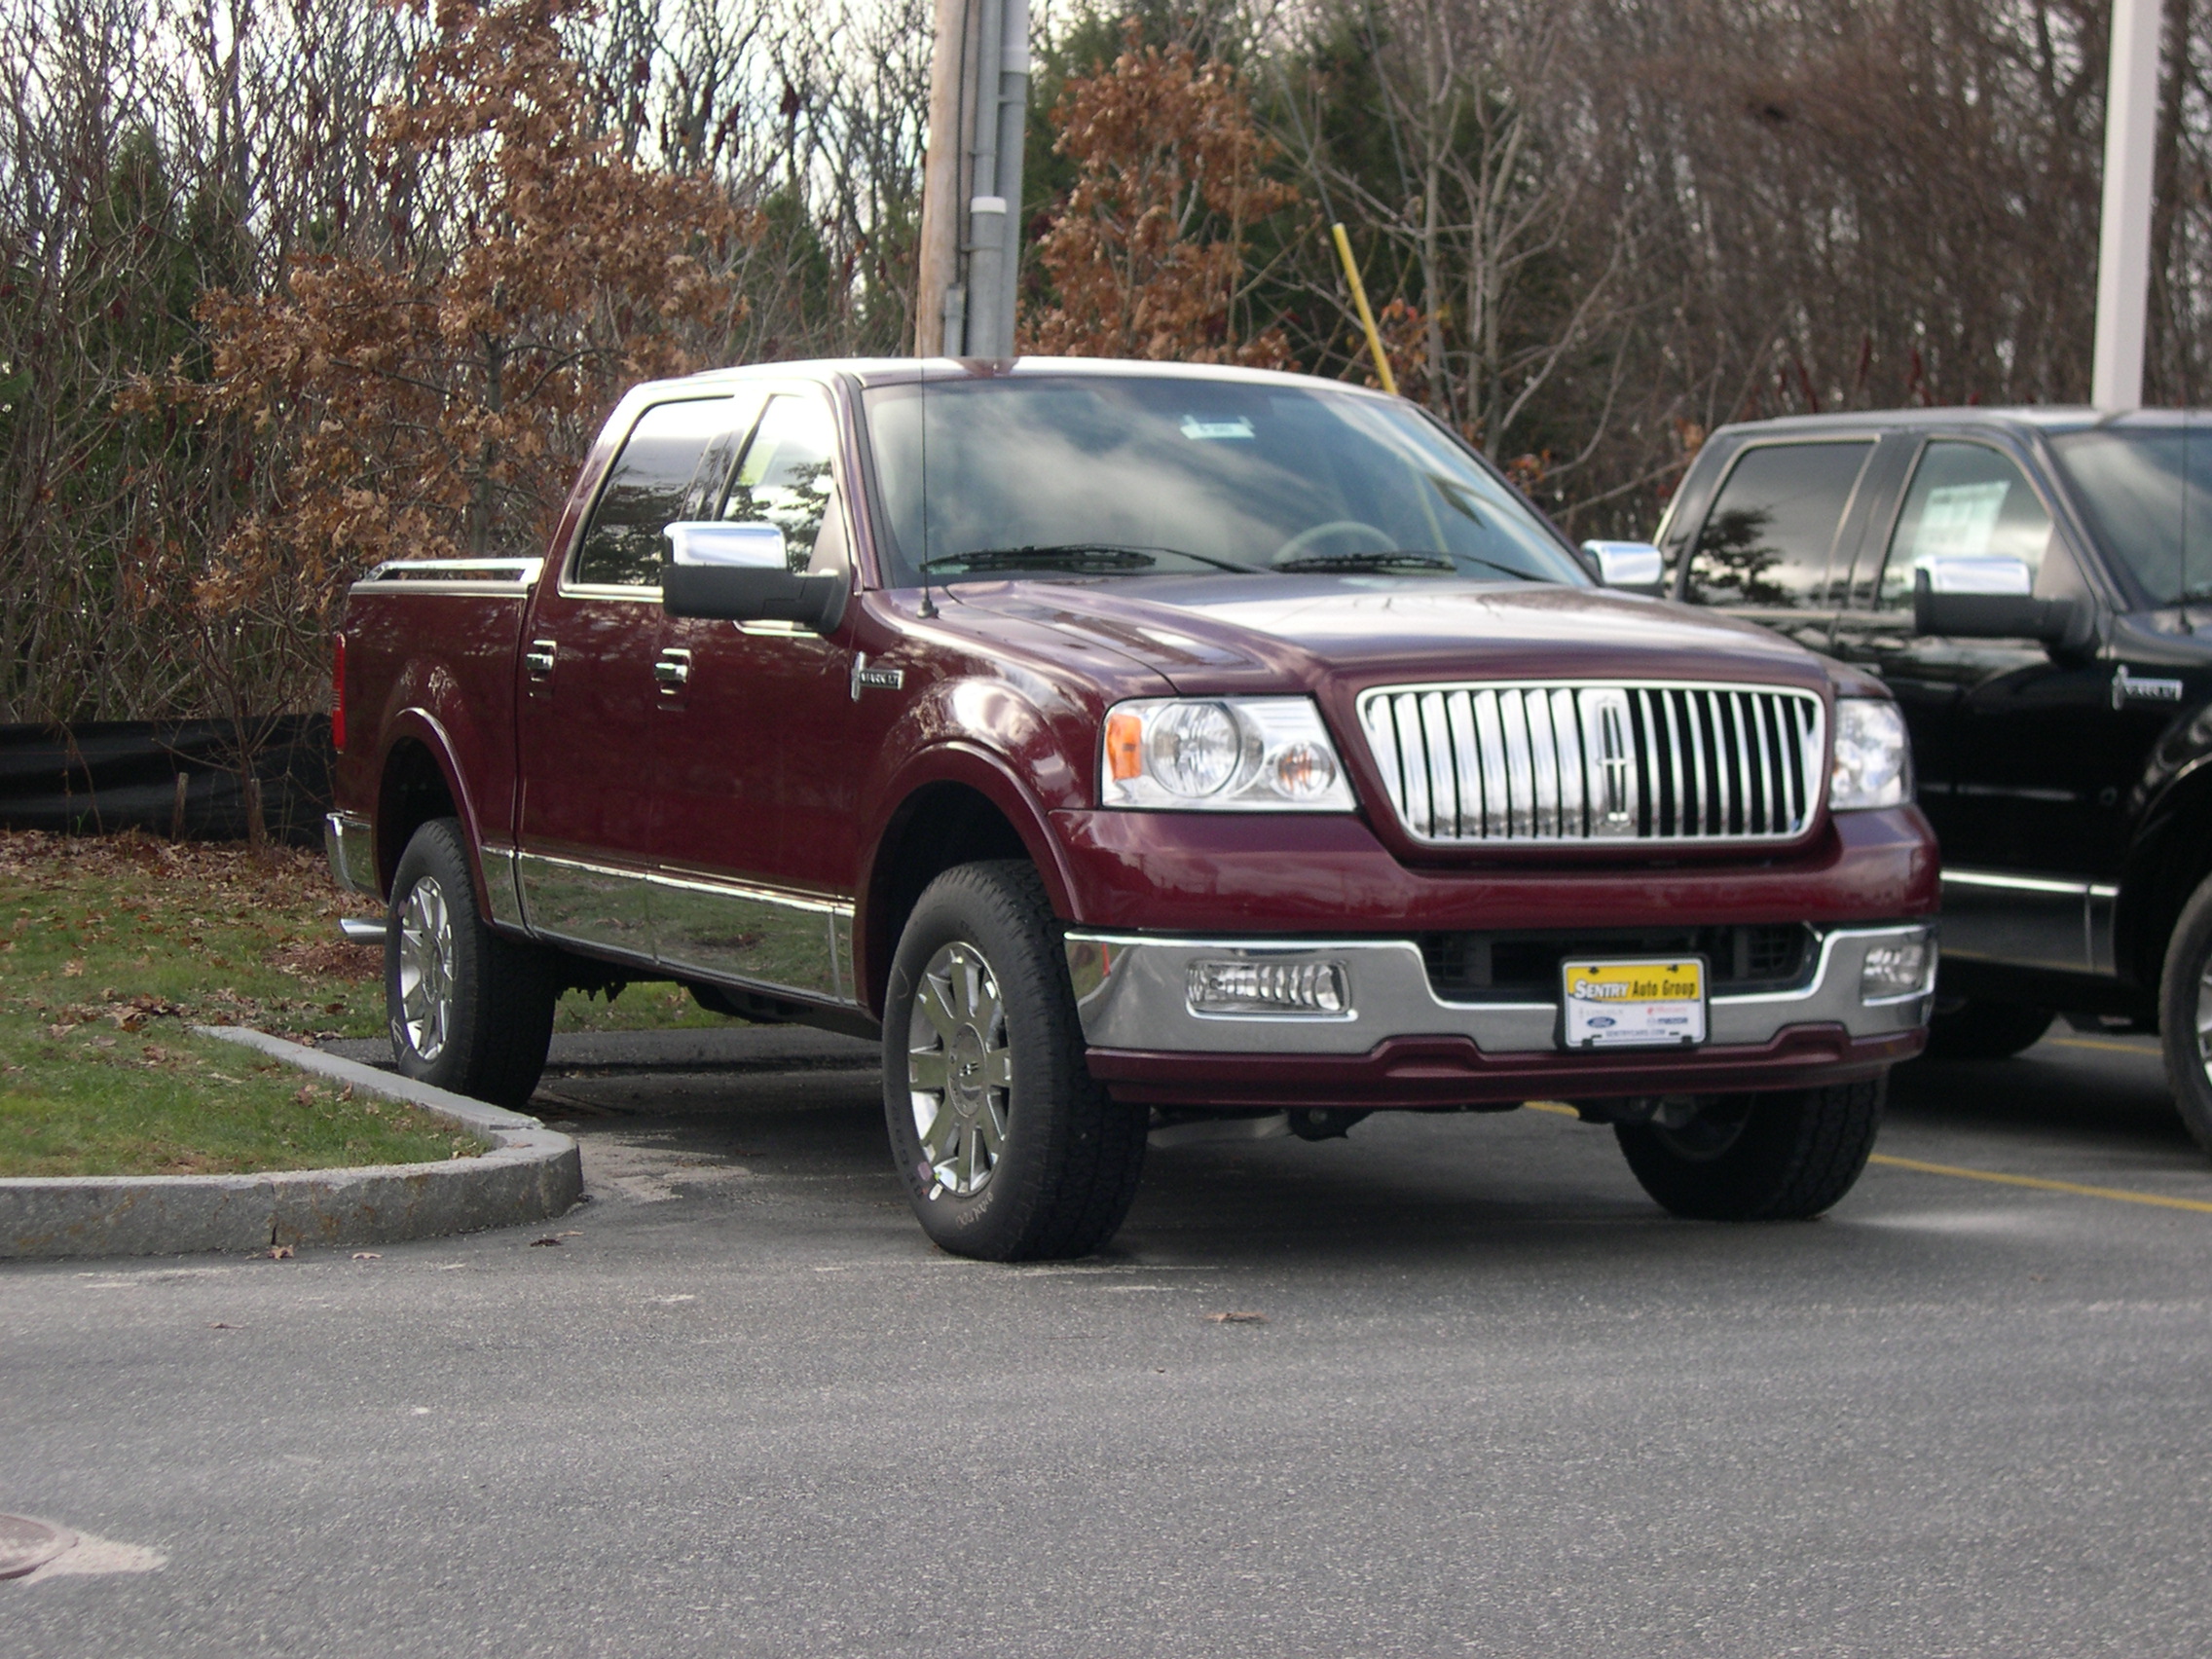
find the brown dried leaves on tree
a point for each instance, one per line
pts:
(432, 395)
(1147, 254)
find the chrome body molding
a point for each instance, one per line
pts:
(754, 936)
(571, 901)
(348, 842)
(1569, 761)
(502, 888)
(2029, 921)
(695, 926)
(509, 578)
(1133, 992)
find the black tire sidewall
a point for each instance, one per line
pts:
(1799, 1151)
(2188, 953)
(990, 908)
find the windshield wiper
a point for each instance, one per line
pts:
(1069, 556)
(1399, 560)
(1078, 556)
(1370, 561)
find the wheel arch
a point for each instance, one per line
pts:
(2168, 860)
(954, 806)
(417, 781)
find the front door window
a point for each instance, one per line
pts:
(1966, 502)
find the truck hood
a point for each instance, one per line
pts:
(1222, 635)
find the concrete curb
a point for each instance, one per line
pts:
(531, 1174)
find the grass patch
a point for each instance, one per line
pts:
(110, 947)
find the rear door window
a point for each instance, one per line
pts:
(1769, 538)
(1966, 502)
(647, 488)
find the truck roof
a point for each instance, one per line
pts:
(895, 371)
(2045, 418)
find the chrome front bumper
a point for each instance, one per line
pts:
(349, 843)
(1133, 992)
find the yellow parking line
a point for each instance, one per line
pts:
(2092, 1043)
(2041, 1185)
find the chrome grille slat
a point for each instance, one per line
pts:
(1472, 765)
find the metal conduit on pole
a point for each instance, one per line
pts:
(2123, 236)
(970, 264)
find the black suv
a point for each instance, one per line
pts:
(2036, 587)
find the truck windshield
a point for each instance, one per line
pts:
(1126, 475)
(2147, 492)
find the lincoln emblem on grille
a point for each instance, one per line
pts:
(1613, 760)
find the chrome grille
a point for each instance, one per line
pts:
(1510, 763)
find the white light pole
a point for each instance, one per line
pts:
(2123, 240)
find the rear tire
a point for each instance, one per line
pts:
(2184, 1015)
(1986, 1031)
(1781, 1157)
(467, 1009)
(1009, 1149)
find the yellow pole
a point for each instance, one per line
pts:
(1365, 317)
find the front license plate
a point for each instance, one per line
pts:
(1647, 1004)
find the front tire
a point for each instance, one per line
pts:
(1009, 1149)
(1779, 1157)
(468, 1010)
(2184, 1015)
(1986, 1031)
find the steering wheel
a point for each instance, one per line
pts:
(1304, 538)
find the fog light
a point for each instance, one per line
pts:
(1901, 968)
(1270, 988)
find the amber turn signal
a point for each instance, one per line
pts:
(1124, 746)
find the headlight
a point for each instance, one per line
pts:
(1222, 755)
(1873, 763)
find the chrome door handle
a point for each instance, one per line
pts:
(538, 659)
(671, 669)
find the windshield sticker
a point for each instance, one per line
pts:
(1957, 520)
(1198, 428)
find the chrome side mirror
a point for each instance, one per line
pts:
(1633, 566)
(728, 546)
(741, 572)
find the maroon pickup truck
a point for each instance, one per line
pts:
(1129, 745)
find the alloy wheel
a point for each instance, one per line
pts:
(425, 969)
(959, 1068)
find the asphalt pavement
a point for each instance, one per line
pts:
(1492, 1401)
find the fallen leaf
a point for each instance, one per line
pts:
(279, 1252)
(368, 1256)
(308, 1095)
(1237, 1318)
(219, 1325)
(73, 970)
(537, 1242)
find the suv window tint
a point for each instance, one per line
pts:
(1966, 502)
(646, 489)
(1767, 538)
(783, 478)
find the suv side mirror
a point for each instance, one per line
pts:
(741, 572)
(1633, 566)
(1990, 599)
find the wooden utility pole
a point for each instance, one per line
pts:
(971, 251)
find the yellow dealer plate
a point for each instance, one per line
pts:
(1651, 1003)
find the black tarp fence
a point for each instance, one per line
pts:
(97, 777)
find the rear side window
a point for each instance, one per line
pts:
(646, 489)
(784, 476)
(1768, 537)
(1966, 502)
